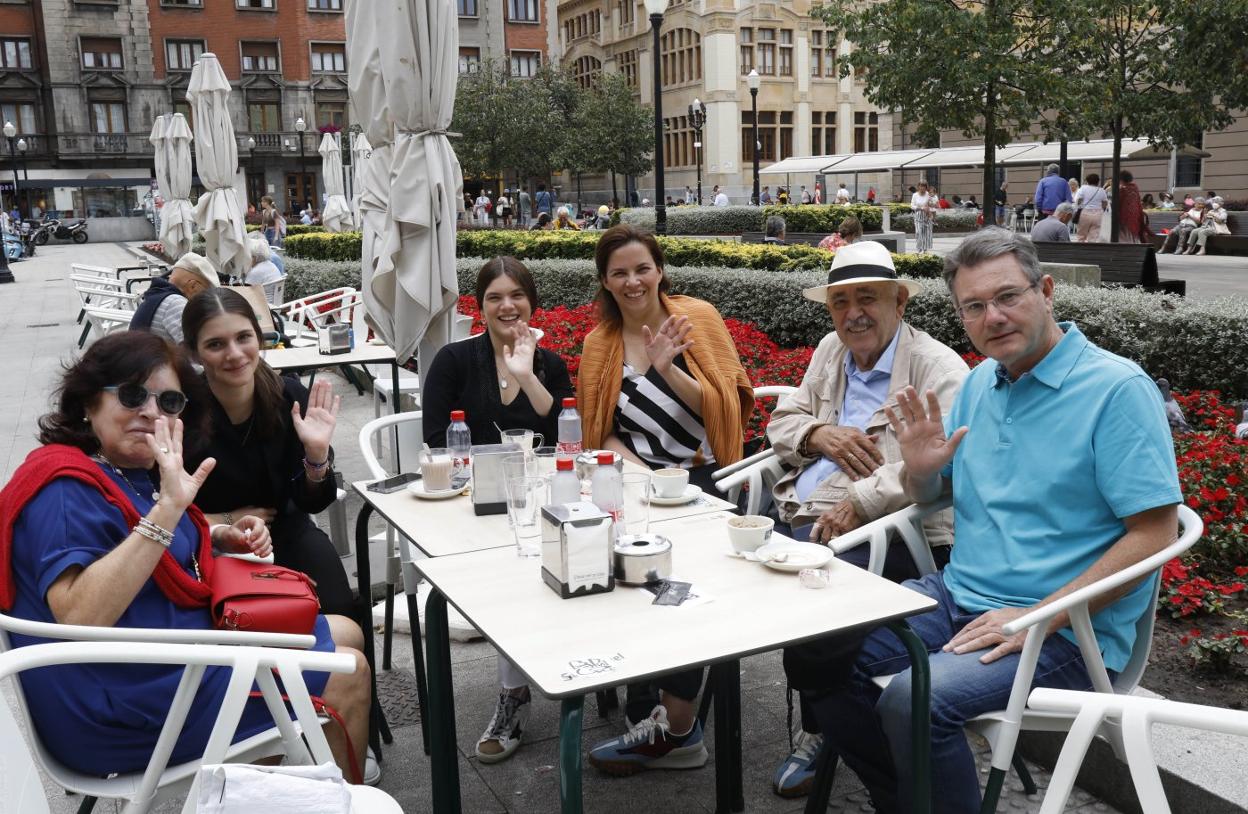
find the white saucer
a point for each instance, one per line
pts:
(800, 555)
(691, 494)
(417, 488)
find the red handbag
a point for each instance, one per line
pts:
(261, 597)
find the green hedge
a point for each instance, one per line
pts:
(322, 245)
(1197, 344)
(733, 220)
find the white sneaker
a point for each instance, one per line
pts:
(372, 769)
(502, 737)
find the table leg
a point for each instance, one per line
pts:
(726, 680)
(570, 797)
(444, 753)
(920, 714)
(364, 585)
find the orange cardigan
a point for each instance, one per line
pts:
(727, 397)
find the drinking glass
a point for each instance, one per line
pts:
(437, 468)
(525, 497)
(516, 465)
(636, 518)
(523, 439)
(545, 457)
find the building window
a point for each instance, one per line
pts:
(264, 117)
(469, 60)
(786, 52)
(628, 11)
(822, 133)
(184, 107)
(22, 114)
(466, 8)
(678, 150)
(100, 52)
(260, 57)
(823, 54)
(180, 55)
(866, 132)
(586, 71)
(15, 54)
(681, 51)
(108, 117)
(329, 57)
(1187, 168)
(324, 5)
(627, 64)
(525, 63)
(775, 135)
(767, 51)
(522, 11)
(331, 113)
(184, 3)
(747, 50)
(261, 4)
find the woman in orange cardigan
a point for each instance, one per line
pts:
(661, 383)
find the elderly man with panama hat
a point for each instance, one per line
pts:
(844, 455)
(160, 310)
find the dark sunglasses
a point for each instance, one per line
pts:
(134, 396)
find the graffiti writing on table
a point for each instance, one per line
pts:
(591, 666)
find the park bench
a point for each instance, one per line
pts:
(895, 241)
(1234, 243)
(1129, 265)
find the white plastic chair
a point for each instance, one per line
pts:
(254, 658)
(1134, 717)
(1001, 728)
(759, 472)
(293, 312)
(274, 290)
(104, 321)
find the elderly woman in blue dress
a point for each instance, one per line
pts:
(98, 527)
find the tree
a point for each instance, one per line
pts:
(611, 132)
(1162, 71)
(979, 66)
(482, 102)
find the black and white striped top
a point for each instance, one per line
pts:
(656, 425)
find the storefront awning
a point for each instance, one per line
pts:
(801, 166)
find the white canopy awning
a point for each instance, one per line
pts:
(972, 156)
(802, 166)
(1097, 150)
(874, 162)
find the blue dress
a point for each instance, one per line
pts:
(105, 718)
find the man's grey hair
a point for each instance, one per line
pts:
(1065, 207)
(1052, 169)
(258, 248)
(989, 244)
(775, 226)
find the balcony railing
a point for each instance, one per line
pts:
(136, 145)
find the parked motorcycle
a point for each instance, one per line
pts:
(61, 230)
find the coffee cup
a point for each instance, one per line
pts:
(748, 532)
(669, 482)
(436, 468)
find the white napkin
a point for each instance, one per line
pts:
(244, 789)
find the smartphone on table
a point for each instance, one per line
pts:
(393, 484)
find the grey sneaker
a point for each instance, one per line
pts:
(502, 737)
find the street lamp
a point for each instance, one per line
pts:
(656, 9)
(300, 126)
(753, 80)
(10, 132)
(697, 118)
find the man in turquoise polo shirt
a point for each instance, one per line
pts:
(1063, 472)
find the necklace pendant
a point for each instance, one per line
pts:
(155, 496)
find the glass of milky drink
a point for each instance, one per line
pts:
(436, 467)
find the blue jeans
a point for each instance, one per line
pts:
(870, 728)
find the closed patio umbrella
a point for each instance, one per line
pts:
(177, 216)
(361, 152)
(218, 213)
(337, 214)
(403, 76)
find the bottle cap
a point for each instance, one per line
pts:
(457, 415)
(606, 457)
(565, 465)
(569, 402)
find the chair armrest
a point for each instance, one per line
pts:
(723, 477)
(908, 523)
(89, 633)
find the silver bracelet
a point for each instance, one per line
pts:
(154, 532)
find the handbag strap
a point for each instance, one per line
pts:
(321, 707)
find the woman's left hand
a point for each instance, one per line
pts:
(315, 427)
(519, 357)
(671, 341)
(248, 535)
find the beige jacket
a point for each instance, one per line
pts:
(920, 361)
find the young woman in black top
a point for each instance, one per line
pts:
(271, 439)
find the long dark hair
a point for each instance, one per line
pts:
(126, 357)
(511, 268)
(270, 407)
(615, 238)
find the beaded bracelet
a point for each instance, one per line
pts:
(322, 465)
(154, 532)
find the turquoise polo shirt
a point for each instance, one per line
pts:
(1051, 465)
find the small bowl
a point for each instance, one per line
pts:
(748, 532)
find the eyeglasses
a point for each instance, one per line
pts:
(134, 396)
(974, 311)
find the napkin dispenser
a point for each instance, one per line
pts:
(577, 539)
(489, 486)
(334, 339)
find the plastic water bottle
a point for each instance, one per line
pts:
(569, 429)
(565, 486)
(459, 444)
(607, 488)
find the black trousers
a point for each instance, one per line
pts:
(299, 545)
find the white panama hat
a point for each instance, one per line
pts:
(859, 264)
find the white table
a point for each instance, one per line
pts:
(754, 610)
(307, 357)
